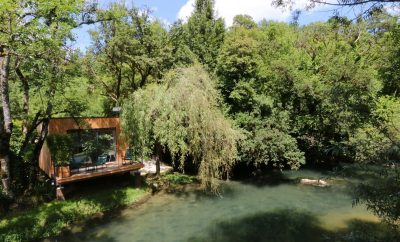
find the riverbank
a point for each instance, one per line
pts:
(51, 219)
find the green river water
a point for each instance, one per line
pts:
(276, 210)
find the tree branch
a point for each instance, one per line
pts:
(353, 2)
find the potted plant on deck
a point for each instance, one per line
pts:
(60, 146)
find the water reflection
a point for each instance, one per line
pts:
(291, 225)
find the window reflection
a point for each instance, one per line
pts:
(90, 145)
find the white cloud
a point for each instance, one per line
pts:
(258, 9)
(186, 10)
(392, 9)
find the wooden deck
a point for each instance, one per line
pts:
(109, 170)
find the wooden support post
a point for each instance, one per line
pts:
(138, 179)
(60, 193)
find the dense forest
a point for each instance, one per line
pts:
(266, 95)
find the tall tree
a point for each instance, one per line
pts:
(183, 115)
(390, 66)
(181, 52)
(14, 33)
(244, 62)
(37, 29)
(205, 32)
(128, 52)
(6, 128)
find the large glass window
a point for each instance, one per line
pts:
(93, 143)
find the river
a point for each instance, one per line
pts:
(271, 209)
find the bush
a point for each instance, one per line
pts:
(371, 146)
(178, 179)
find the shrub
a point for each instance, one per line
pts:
(178, 179)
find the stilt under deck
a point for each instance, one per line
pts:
(93, 173)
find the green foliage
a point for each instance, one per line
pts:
(371, 145)
(238, 61)
(181, 52)
(244, 21)
(60, 146)
(242, 70)
(128, 52)
(390, 67)
(17, 136)
(271, 146)
(178, 179)
(137, 120)
(184, 116)
(315, 85)
(378, 142)
(381, 194)
(205, 33)
(335, 94)
(33, 37)
(53, 218)
(387, 114)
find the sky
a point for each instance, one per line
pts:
(168, 11)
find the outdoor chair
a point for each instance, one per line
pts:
(74, 164)
(101, 161)
(128, 158)
(77, 161)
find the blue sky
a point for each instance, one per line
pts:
(171, 10)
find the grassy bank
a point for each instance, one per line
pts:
(52, 218)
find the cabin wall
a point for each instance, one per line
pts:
(45, 160)
(63, 125)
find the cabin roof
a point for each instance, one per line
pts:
(86, 117)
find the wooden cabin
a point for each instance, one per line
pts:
(110, 160)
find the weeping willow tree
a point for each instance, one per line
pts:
(183, 114)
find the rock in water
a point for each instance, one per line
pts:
(313, 182)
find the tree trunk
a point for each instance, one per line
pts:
(25, 100)
(158, 166)
(133, 84)
(143, 79)
(6, 129)
(158, 156)
(119, 81)
(29, 135)
(43, 132)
